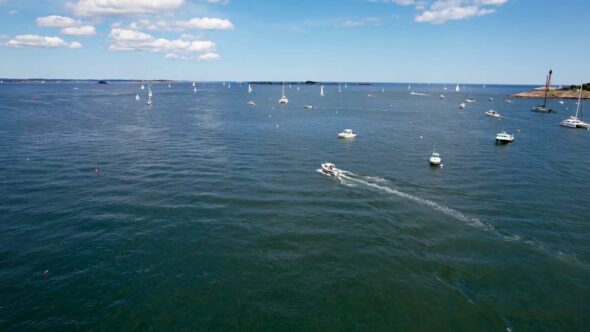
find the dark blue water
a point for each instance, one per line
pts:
(202, 213)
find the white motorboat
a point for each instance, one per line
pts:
(561, 102)
(503, 137)
(251, 103)
(462, 106)
(330, 169)
(308, 106)
(347, 133)
(435, 159)
(283, 100)
(470, 100)
(575, 121)
(493, 114)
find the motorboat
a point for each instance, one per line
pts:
(462, 106)
(251, 103)
(542, 109)
(330, 169)
(308, 106)
(435, 159)
(470, 100)
(493, 114)
(503, 137)
(347, 133)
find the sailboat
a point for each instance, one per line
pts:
(229, 85)
(445, 87)
(457, 88)
(169, 85)
(149, 101)
(249, 88)
(345, 86)
(194, 83)
(574, 121)
(543, 108)
(409, 87)
(137, 97)
(283, 100)
(195, 89)
(339, 90)
(321, 90)
(142, 87)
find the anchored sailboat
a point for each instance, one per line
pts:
(283, 99)
(149, 101)
(249, 88)
(575, 121)
(544, 108)
(322, 90)
(457, 88)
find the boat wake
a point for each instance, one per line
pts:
(350, 179)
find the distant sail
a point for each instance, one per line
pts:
(321, 90)
(457, 88)
(249, 89)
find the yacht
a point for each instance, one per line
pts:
(251, 103)
(347, 133)
(493, 114)
(283, 100)
(503, 137)
(330, 169)
(575, 121)
(308, 106)
(435, 159)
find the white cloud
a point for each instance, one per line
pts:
(204, 23)
(441, 11)
(123, 7)
(220, 2)
(209, 56)
(132, 40)
(361, 22)
(35, 41)
(86, 30)
(55, 21)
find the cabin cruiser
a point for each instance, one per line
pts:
(493, 114)
(251, 103)
(435, 159)
(347, 133)
(308, 106)
(503, 137)
(330, 169)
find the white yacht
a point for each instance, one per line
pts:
(470, 100)
(493, 114)
(283, 100)
(347, 133)
(503, 137)
(435, 159)
(575, 121)
(330, 169)
(251, 103)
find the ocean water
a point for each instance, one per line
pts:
(202, 213)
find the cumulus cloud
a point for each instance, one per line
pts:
(86, 30)
(365, 21)
(36, 41)
(209, 56)
(197, 23)
(56, 21)
(122, 7)
(220, 2)
(177, 49)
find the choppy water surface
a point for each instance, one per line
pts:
(202, 213)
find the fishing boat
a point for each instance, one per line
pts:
(330, 169)
(575, 121)
(283, 100)
(503, 137)
(149, 101)
(435, 158)
(544, 108)
(347, 133)
(493, 114)
(322, 90)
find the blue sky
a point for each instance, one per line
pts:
(467, 41)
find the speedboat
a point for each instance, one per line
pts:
(330, 169)
(470, 100)
(493, 114)
(347, 133)
(251, 103)
(462, 106)
(503, 137)
(435, 159)
(308, 106)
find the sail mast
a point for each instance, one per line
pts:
(547, 84)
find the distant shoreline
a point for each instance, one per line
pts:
(552, 94)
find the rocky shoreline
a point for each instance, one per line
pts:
(552, 94)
